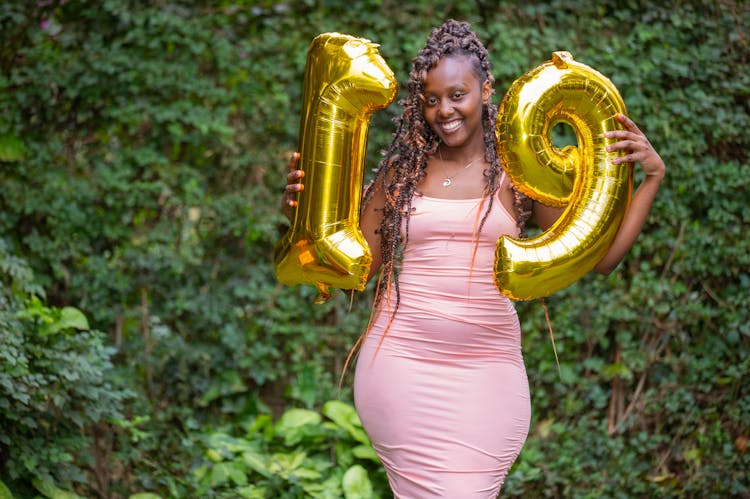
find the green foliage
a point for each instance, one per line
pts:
(48, 489)
(142, 150)
(54, 381)
(300, 455)
(5, 492)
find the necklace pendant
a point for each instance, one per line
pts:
(447, 183)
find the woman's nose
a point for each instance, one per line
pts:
(445, 109)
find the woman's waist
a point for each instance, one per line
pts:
(458, 326)
(450, 283)
(439, 345)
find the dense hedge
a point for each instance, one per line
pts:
(146, 345)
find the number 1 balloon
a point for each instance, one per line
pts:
(595, 191)
(346, 81)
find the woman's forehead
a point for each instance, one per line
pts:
(452, 70)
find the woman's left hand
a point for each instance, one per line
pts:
(637, 148)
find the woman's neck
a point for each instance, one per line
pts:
(460, 154)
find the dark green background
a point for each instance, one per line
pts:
(142, 152)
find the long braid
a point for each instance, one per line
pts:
(404, 164)
(405, 160)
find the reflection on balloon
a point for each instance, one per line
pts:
(346, 81)
(595, 191)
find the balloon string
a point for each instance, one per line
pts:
(374, 313)
(551, 336)
(475, 240)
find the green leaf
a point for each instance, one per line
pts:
(230, 383)
(261, 422)
(50, 491)
(11, 148)
(345, 416)
(306, 474)
(252, 492)
(219, 475)
(73, 318)
(294, 424)
(616, 370)
(356, 483)
(5, 492)
(229, 444)
(257, 462)
(294, 418)
(365, 452)
(285, 463)
(237, 475)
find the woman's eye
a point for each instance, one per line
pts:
(431, 101)
(458, 95)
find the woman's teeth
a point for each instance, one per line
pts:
(451, 125)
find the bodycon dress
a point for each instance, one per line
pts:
(444, 398)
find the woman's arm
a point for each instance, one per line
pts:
(372, 215)
(638, 150)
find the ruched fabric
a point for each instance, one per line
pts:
(444, 395)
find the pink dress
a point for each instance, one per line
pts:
(445, 398)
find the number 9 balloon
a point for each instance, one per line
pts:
(595, 191)
(346, 81)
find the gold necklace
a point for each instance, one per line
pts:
(448, 180)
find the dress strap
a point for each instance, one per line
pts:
(502, 179)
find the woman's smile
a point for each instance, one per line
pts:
(451, 126)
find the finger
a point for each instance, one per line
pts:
(633, 157)
(622, 135)
(627, 145)
(295, 184)
(628, 123)
(619, 161)
(627, 158)
(294, 176)
(294, 161)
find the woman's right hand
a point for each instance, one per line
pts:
(293, 187)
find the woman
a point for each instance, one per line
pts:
(440, 383)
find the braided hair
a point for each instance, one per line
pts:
(405, 160)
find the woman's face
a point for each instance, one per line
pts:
(453, 99)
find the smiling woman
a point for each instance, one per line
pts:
(453, 99)
(441, 335)
(425, 384)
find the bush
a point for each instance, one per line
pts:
(55, 382)
(142, 149)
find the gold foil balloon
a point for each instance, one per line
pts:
(595, 191)
(346, 81)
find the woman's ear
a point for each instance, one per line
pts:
(487, 92)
